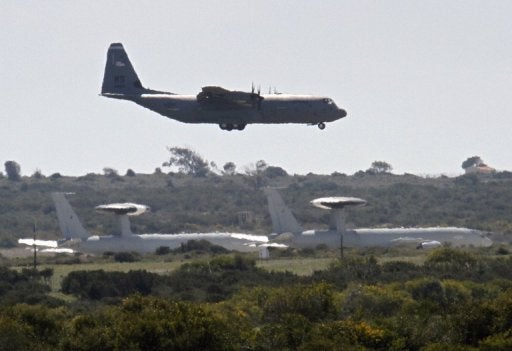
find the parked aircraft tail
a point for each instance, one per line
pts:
(283, 220)
(120, 77)
(69, 223)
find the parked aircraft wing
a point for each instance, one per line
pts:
(37, 242)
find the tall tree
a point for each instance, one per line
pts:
(38, 174)
(187, 161)
(379, 167)
(229, 168)
(110, 172)
(261, 165)
(12, 169)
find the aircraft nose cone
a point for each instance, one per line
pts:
(343, 113)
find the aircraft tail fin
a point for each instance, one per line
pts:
(69, 223)
(120, 77)
(283, 220)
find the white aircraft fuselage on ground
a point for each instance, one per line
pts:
(73, 231)
(288, 231)
(368, 237)
(229, 109)
(148, 243)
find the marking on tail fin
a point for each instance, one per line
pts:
(120, 76)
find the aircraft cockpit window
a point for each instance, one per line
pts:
(328, 101)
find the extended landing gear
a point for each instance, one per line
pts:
(321, 125)
(229, 126)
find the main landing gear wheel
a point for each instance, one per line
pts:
(321, 125)
(229, 126)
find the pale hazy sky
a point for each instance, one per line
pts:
(426, 83)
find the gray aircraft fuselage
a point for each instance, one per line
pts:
(275, 108)
(75, 235)
(229, 109)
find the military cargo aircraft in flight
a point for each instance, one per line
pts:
(229, 109)
(288, 231)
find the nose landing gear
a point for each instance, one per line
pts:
(321, 125)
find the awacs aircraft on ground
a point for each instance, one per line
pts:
(77, 237)
(288, 231)
(227, 108)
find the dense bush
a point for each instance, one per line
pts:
(201, 246)
(99, 284)
(27, 286)
(126, 256)
(456, 300)
(162, 250)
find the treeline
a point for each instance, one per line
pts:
(206, 281)
(456, 300)
(218, 278)
(187, 203)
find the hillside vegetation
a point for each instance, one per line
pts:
(198, 297)
(188, 203)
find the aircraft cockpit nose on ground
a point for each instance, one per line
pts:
(343, 113)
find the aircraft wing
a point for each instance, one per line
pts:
(32, 242)
(213, 96)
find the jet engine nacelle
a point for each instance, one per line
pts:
(429, 244)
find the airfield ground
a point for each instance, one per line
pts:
(300, 263)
